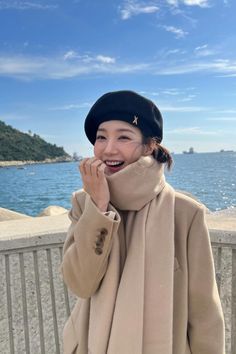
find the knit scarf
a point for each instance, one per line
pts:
(136, 306)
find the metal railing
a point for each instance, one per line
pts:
(224, 252)
(34, 302)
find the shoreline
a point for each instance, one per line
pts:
(33, 162)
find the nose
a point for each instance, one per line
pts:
(110, 147)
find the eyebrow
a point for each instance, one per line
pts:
(121, 130)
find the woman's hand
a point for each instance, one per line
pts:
(94, 181)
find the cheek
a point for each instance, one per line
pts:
(96, 150)
(135, 153)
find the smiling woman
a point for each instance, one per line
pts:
(137, 253)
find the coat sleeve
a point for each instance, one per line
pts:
(87, 247)
(206, 324)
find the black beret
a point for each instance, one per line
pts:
(127, 106)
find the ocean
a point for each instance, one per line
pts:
(210, 177)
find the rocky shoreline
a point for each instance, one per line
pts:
(31, 162)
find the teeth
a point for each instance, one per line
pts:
(113, 163)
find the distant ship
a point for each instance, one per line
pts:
(190, 151)
(226, 150)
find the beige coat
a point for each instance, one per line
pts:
(198, 326)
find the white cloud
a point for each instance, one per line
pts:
(201, 3)
(174, 51)
(71, 54)
(72, 65)
(225, 67)
(17, 65)
(28, 68)
(104, 59)
(188, 98)
(192, 131)
(179, 33)
(71, 106)
(133, 8)
(204, 51)
(172, 92)
(172, 2)
(25, 5)
(204, 46)
(149, 93)
(171, 53)
(179, 95)
(182, 109)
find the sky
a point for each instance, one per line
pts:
(58, 56)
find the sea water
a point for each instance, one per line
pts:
(210, 177)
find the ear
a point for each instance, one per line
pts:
(149, 148)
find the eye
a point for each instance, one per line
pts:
(100, 137)
(124, 137)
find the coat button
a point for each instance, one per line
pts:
(99, 242)
(104, 232)
(98, 250)
(101, 238)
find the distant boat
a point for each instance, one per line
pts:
(21, 168)
(190, 151)
(226, 150)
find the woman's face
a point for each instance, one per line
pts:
(118, 144)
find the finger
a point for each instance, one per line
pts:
(101, 170)
(87, 165)
(94, 167)
(81, 165)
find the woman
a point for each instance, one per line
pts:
(137, 253)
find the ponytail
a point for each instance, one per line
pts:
(160, 153)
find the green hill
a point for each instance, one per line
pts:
(18, 146)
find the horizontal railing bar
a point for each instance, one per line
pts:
(30, 248)
(34, 240)
(221, 238)
(223, 245)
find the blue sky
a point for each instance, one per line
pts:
(57, 57)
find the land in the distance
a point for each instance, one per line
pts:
(18, 148)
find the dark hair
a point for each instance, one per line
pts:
(160, 153)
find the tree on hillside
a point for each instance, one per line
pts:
(15, 145)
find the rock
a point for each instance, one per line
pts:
(53, 210)
(6, 214)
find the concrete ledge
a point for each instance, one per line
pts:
(221, 222)
(31, 227)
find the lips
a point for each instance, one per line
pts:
(114, 163)
(113, 166)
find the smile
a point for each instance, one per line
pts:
(114, 163)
